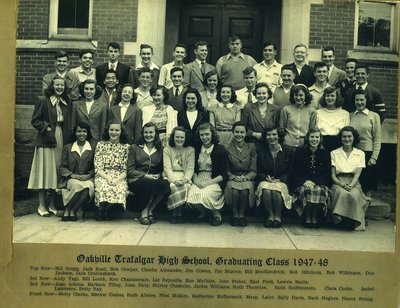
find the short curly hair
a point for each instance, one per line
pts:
(351, 129)
(118, 97)
(214, 134)
(98, 89)
(171, 141)
(163, 89)
(296, 89)
(281, 133)
(233, 98)
(329, 90)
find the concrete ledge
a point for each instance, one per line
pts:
(55, 45)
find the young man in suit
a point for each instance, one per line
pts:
(304, 73)
(179, 54)
(231, 66)
(375, 98)
(269, 70)
(335, 74)
(61, 63)
(177, 90)
(123, 71)
(350, 80)
(245, 95)
(110, 88)
(199, 67)
(146, 54)
(85, 70)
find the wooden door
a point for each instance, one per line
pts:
(215, 22)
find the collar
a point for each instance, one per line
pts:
(152, 66)
(54, 100)
(174, 64)
(319, 90)
(86, 147)
(236, 57)
(115, 63)
(199, 62)
(82, 71)
(112, 91)
(365, 111)
(180, 88)
(146, 149)
(144, 94)
(229, 105)
(62, 74)
(123, 105)
(279, 148)
(274, 64)
(207, 150)
(363, 86)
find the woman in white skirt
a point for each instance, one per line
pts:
(209, 179)
(51, 118)
(178, 160)
(77, 171)
(274, 162)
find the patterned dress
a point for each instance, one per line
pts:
(112, 159)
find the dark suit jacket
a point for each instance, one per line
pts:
(176, 102)
(336, 76)
(72, 163)
(194, 77)
(104, 98)
(252, 119)
(124, 73)
(45, 115)
(132, 122)
(302, 171)
(202, 117)
(376, 102)
(306, 75)
(219, 163)
(96, 118)
(279, 168)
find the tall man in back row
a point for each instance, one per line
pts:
(231, 66)
(335, 75)
(304, 73)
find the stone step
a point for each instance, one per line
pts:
(378, 209)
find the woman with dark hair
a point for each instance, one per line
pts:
(145, 165)
(178, 160)
(211, 84)
(331, 118)
(311, 178)
(89, 109)
(193, 114)
(368, 125)
(209, 179)
(297, 118)
(348, 201)
(259, 115)
(162, 115)
(51, 118)
(77, 171)
(110, 186)
(127, 112)
(225, 113)
(274, 163)
(242, 170)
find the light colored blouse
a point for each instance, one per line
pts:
(330, 122)
(350, 164)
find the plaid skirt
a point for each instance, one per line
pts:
(317, 194)
(178, 195)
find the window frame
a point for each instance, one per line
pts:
(394, 40)
(53, 24)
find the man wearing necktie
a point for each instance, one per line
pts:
(175, 99)
(245, 95)
(350, 80)
(335, 74)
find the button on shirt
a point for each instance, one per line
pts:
(270, 74)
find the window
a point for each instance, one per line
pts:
(71, 19)
(376, 25)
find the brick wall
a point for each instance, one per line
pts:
(112, 21)
(332, 24)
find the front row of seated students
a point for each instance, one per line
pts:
(194, 169)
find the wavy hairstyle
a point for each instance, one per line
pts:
(233, 98)
(171, 141)
(97, 88)
(307, 137)
(214, 134)
(281, 134)
(199, 104)
(118, 97)
(122, 138)
(157, 141)
(83, 125)
(50, 89)
(296, 89)
(351, 129)
(330, 90)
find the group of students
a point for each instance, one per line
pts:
(206, 148)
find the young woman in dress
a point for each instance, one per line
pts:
(224, 114)
(297, 118)
(127, 112)
(193, 114)
(178, 160)
(211, 84)
(311, 178)
(77, 172)
(145, 165)
(110, 185)
(348, 201)
(89, 109)
(274, 163)
(162, 115)
(368, 125)
(209, 179)
(51, 118)
(259, 115)
(331, 118)
(242, 170)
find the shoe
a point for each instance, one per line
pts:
(173, 220)
(55, 212)
(276, 224)
(307, 225)
(216, 221)
(242, 222)
(144, 221)
(152, 219)
(235, 221)
(43, 213)
(73, 218)
(65, 218)
(99, 214)
(268, 223)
